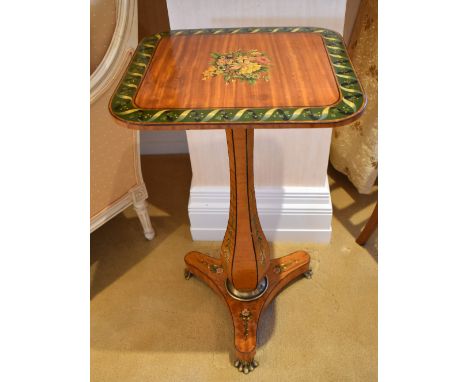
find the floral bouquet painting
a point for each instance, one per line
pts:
(248, 66)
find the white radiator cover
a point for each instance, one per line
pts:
(286, 214)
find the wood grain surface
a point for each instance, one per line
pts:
(245, 251)
(300, 73)
(281, 272)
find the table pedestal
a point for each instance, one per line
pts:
(244, 276)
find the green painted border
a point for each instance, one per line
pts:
(351, 102)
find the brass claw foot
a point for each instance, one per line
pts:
(308, 274)
(187, 274)
(245, 367)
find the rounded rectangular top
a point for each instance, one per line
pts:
(217, 78)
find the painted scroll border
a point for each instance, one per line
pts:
(351, 102)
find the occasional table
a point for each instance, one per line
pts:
(241, 79)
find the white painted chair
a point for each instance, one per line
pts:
(116, 179)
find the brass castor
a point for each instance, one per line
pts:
(245, 367)
(187, 274)
(308, 274)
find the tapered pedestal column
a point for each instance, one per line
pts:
(245, 276)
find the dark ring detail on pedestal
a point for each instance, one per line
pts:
(247, 296)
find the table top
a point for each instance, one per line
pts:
(258, 77)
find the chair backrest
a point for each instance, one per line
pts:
(103, 20)
(115, 155)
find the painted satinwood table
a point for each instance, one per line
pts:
(241, 79)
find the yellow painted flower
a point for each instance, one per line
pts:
(248, 66)
(210, 72)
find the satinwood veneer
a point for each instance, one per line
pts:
(180, 60)
(240, 79)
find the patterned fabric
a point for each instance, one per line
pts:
(354, 147)
(102, 22)
(112, 147)
(112, 151)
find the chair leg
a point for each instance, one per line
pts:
(370, 227)
(142, 211)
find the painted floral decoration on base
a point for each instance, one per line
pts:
(248, 66)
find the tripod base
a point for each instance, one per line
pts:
(246, 313)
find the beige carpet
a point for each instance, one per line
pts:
(149, 324)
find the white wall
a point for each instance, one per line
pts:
(229, 13)
(291, 164)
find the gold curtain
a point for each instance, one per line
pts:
(354, 147)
